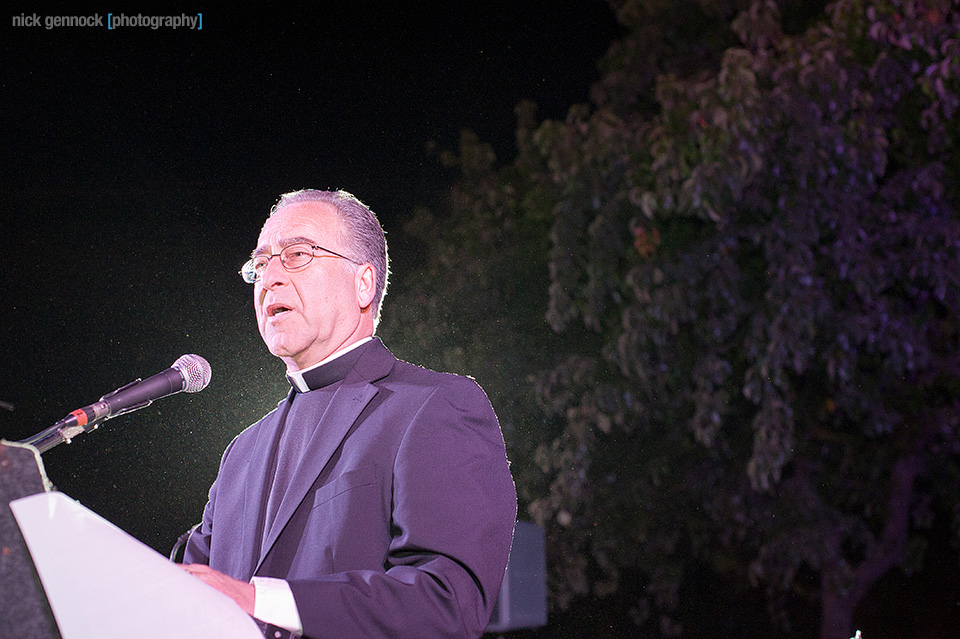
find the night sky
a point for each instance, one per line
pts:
(138, 166)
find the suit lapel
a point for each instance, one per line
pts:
(345, 407)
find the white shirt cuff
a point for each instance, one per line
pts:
(274, 604)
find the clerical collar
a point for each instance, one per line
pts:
(332, 369)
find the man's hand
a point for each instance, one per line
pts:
(240, 591)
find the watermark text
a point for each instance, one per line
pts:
(111, 21)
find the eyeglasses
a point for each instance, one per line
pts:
(295, 257)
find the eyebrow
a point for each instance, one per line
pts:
(284, 243)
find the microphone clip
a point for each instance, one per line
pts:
(128, 409)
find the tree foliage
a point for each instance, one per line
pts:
(755, 281)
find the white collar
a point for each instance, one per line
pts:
(296, 377)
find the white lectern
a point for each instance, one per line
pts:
(101, 582)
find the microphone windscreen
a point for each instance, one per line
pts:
(195, 370)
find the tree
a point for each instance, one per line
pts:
(772, 261)
(751, 285)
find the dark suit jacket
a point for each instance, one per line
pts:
(399, 521)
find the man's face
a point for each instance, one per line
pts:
(306, 315)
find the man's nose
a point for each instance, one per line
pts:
(274, 272)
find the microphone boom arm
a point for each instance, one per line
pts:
(63, 432)
(190, 373)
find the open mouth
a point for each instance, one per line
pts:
(275, 310)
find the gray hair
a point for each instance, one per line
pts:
(362, 237)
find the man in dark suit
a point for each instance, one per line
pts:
(376, 500)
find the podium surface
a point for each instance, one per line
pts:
(101, 582)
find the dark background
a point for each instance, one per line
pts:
(137, 168)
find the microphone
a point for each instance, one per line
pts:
(190, 373)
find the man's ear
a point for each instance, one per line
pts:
(366, 282)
